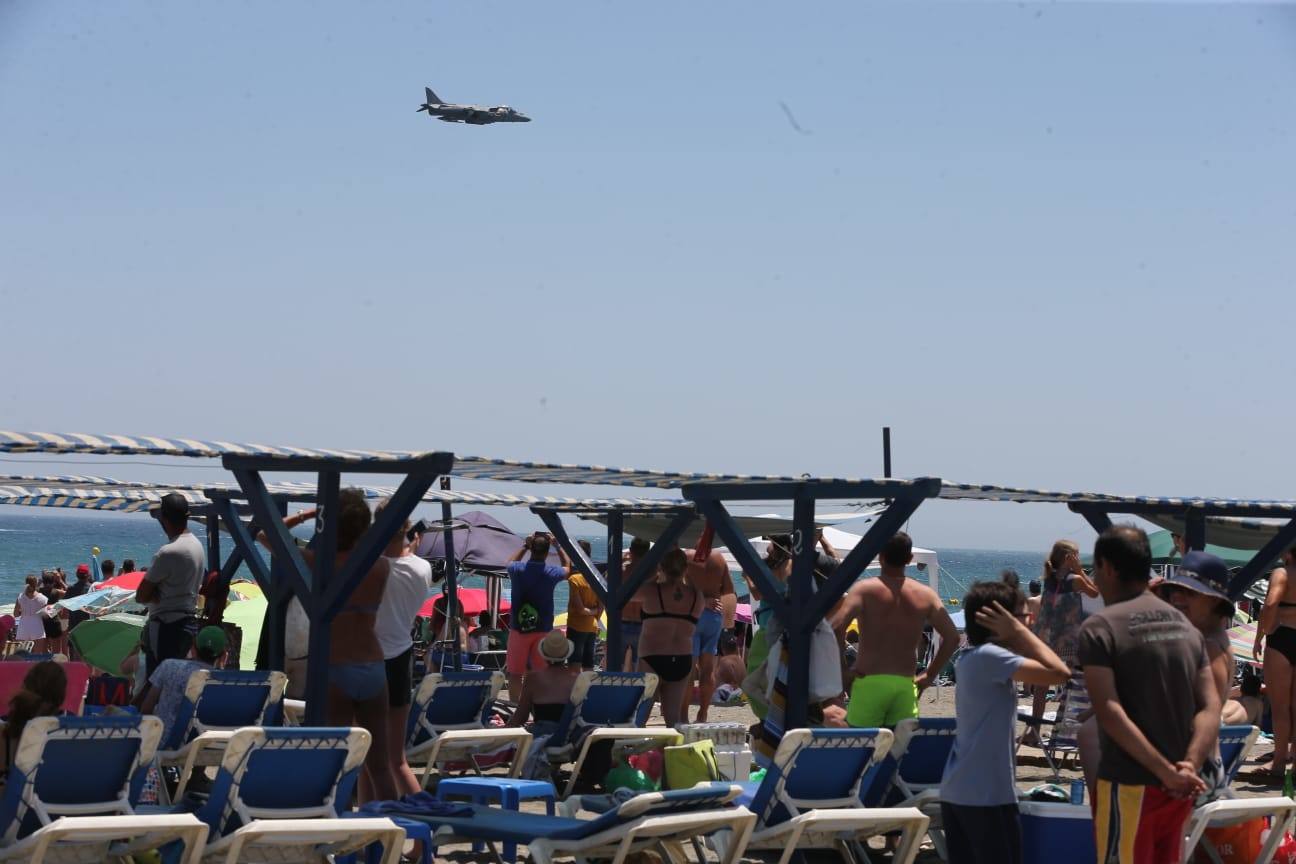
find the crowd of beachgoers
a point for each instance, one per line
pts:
(1153, 663)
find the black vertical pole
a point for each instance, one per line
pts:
(213, 540)
(1195, 530)
(615, 656)
(326, 524)
(886, 451)
(278, 597)
(798, 628)
(452, 581)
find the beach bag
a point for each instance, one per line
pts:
(825, 666)
(528, 618)
(1236, 844)
(690, 764)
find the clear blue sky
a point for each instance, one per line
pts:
(1049, 244)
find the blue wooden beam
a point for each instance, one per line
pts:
(857, 560)
(371, 544)
(268, 515)
(615, 532)
(579, 559)
(1098, 518)
(924, 487)
(423, 463)
(772, 592)
(1262, 559)
(801, 594)
(1195, 529)
(321, 618)
(647, 565)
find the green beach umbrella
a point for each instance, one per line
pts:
(249, 615)
(105, 642)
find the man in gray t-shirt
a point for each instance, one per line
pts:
(171, 584)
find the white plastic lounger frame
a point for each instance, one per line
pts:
(638, 831)
(305, 834)
(828, 823)
(1231, 811)
(205, 749)
(67, 836)
(465, 739)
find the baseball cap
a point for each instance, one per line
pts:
(83, 569)
(1203, 573)
(210, 641)
(173, 505)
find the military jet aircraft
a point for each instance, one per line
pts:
(477, 115)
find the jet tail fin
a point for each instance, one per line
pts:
(432, 98)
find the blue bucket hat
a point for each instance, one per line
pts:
(1203, 573)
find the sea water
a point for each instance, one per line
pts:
(31, 541)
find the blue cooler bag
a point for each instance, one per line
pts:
(1057, 833)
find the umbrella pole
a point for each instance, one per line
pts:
(453, 611)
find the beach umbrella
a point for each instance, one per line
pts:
(249, 615)
(105, 642)
(129, 581)
(97, 600)
(473, 600)
(481, 542)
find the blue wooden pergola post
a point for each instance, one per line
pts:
(1195, 512)
(798, 606)
(327, 587)
(618, 589)
(276, 580)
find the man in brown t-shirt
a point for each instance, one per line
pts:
(1158, 711)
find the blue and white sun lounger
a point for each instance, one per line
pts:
(1235, 745)
(605, 706)
(216, 702)
(668, 818)
(68, 795)
(810, 797)
(446, 721)
(279, 793)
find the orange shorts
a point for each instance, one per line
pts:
(524, 652)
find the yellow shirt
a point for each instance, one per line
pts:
(579, 589)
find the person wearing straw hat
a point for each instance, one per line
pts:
(547, 690)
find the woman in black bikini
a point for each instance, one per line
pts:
(671, 608)
(546, 692)
(1278, 624)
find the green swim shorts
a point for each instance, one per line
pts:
(882, 700)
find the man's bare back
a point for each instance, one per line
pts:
(892, 613)
(711, 577)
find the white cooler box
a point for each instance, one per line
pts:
(732, 751)
(1057, 833)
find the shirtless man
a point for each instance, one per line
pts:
(711, 578)
(892, 612)
(631, 612)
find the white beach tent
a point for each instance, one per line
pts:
(925, 560)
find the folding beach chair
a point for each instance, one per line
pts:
(668, 819)
(605, 707)
(279, 794)
(447, 719)
(1063, 723)
(216, 702)
(69, 792)
(810, 797)
(910, 775)
(1235, 746)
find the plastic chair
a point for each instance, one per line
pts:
(70, 793)
(216, 702)
(810, 796)
(279, 794)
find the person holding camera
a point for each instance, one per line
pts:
(532, 613)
